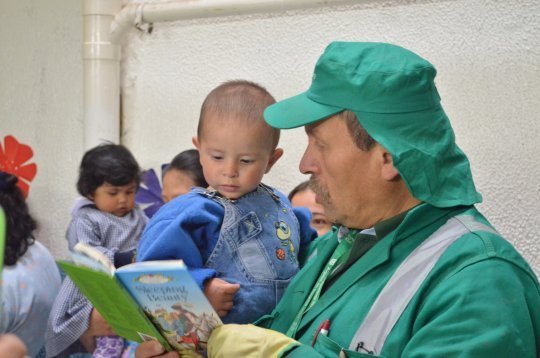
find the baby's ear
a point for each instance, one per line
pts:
(195, 141)
(278, 152)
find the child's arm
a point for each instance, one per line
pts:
(186, 228)
(82, 229)
(97, 326)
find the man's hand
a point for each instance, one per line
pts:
(247, 340)
(220, 293)
(153, 349)
(12, 347)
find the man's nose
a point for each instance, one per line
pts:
(306, 163)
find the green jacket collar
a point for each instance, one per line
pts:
(413, 221)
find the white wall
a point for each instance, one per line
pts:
(485, 51)
(41, 102)
(489, 78)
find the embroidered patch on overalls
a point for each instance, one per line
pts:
(283, 232)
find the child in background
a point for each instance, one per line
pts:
(178, 177)
(183, 173)
(240, 238)
(107, 219)
(30, 278)
(303, 196)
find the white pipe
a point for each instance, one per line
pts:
(103, 32)
(138, 14)
(101, 73)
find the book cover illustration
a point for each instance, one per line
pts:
(145, 300)
(173, 301)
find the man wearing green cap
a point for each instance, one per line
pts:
(413, 269)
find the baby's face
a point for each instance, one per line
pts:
(235, 155)
(116, 200)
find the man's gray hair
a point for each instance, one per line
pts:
(361, 138)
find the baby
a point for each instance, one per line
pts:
(108, 220)
(238, 231)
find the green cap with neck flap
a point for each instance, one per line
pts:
(392, 92)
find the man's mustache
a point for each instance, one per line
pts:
(317, 188)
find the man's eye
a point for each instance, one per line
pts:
(320, 222)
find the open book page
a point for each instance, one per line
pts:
(173, 301)
(146, 300)
(93, 274)
(87, 256)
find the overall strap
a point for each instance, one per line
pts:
(402, 286)
(270, 191)
(230, 210)
(212, 195)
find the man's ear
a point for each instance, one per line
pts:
(278, 152)
(388, 171)
(195, 141)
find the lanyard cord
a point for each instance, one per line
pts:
(338, 257)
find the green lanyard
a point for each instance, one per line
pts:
(338, 257)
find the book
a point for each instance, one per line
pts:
(145, 300)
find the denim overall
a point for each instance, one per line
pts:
(257, 248)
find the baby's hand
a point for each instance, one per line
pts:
(220, 293)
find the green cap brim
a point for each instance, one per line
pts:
(297, 111)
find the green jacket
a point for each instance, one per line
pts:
(480, 300)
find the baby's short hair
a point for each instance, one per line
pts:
(111, 163)
(241, 99)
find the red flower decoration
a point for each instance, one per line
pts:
(13, 157)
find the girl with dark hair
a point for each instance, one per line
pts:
(30, 278)
(107, 219)
(184, 172)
